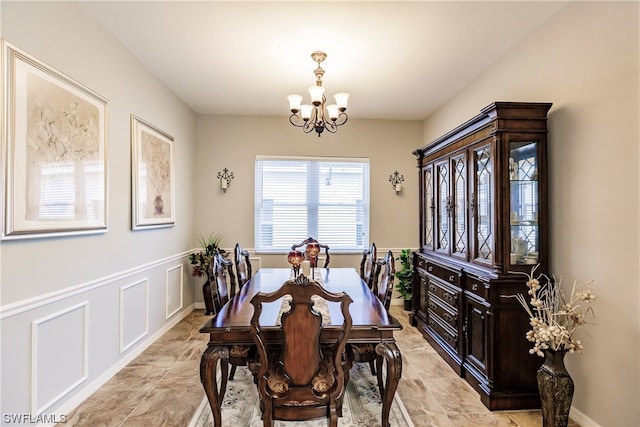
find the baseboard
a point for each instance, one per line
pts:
(582, 419)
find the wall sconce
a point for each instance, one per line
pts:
(396, 181)
(225, 179)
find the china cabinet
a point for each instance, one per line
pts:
(483, 222)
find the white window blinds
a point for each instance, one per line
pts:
(323, 198)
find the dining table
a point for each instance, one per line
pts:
(372, 324)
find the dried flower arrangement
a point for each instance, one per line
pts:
(553, 318)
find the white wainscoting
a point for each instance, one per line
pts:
(174, 289)
(64, 345)
(59, 355)
(134, 313)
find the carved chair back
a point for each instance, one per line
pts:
(384, 277)
(368, 265)
(301, 379)
(321, 247)
(243, 265)
(221, 288)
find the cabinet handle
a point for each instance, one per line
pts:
(432, 306)
(474, 287)
(447, 317)
(452, 278)
(472, 204)
(432, 288)
(449, 339)
(449, 206)
(430, 268)
(448, 297)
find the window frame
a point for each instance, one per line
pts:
(313, 191)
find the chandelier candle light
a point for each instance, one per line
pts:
(318, 116)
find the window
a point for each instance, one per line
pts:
(324, 198)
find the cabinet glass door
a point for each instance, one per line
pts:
(482, 203)
(524, 202)
(443, 208)
(427, 237)
(459, 168)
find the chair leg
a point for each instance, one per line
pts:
(372, 366)
(267, 415)
(333, 415)
(233, 372)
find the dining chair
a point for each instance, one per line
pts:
(383, 277)
(302, 379)
(222, 267)
(312, 249)
(221, 288)
(368, 265)
(243, 265)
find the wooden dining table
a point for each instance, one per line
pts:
(231, 326)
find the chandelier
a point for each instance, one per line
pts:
(318, 116)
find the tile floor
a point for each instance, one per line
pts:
(161, 387)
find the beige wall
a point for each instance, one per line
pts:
(234, 143)
(79, 48)
(585, 61)
(81, 307)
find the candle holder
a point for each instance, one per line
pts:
(396, 181)
(295, 258)
(225, 178)
(313, 249)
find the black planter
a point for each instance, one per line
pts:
(556, 389)
(408, 305)
(208, 297)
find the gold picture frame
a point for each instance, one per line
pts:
(153, 181)
(54, 151)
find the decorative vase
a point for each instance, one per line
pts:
(158, 205)
(556, 389)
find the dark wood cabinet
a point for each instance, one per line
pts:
(483, 222)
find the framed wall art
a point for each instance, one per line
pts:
(54, 151)
(152, 176)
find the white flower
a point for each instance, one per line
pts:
(553, 318)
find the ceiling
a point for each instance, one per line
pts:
(398, 60)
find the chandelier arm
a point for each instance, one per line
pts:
(342, 119)
(330, 127)
(294, 119)
(309, 127)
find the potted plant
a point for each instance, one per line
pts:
(201, 263)
(405, 278)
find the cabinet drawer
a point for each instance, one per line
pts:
(448, 336)
(449, 276)
(447, 295)
(444, 312)
(476, 287)
(421, 263)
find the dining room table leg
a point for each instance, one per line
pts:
(391, 354)
(213, 355)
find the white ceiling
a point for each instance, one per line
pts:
(398, 60)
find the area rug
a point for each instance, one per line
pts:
(361, 407)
